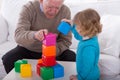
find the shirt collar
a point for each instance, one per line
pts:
(85, 38)
(41, 7)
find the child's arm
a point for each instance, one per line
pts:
(76, 34)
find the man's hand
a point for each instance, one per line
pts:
(40, 35)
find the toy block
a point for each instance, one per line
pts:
(58, 71)
(49, 60)
(64, 27)
(39, 61)
(50, 39)
(26, 70)
(39, 64)
(47, 73)
(18, 63)
(49, 50)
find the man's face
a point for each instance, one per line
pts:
(51, 7)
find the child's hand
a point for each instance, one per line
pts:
(73, 77)
(68, 21)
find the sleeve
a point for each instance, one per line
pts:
(88, 61)
(64, 41)
(76, 34)
(23, 34)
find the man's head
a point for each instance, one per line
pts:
(51, 7)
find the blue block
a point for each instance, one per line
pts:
(58, 71)
(64, 28)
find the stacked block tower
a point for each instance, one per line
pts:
(47, 67)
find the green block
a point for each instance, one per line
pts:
(18, 63)
(47, 73)
(25, 61)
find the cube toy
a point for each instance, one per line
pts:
(49, 60)
(39, 65)
(49, 50)
(50, 39)
(64, 27)
(26, 70)
(18, 63)
(47, 73)
(58, 71)
(39, 61)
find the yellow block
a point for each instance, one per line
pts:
(26, 70)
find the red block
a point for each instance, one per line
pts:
(39, 64)
(49, 60)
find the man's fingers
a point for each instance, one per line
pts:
(40, 35)
(45, 31)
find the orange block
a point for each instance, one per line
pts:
(40, 61)
(48, 50)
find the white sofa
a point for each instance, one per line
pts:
(109, 39)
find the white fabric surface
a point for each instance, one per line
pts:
(3, 29)
(109, 65)
(12, 14)
(109, 39)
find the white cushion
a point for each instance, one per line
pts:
(109, 38)
(5, 47)
(10, 10)
(3, 30)
(109, 65)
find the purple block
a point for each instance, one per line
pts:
(50, 39)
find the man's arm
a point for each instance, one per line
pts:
(23, 35)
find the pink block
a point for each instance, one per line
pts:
(50, 39)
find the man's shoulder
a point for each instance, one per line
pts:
(65, 7)
(32, 4)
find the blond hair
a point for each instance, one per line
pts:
(89, 22)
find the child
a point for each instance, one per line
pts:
(85, 29)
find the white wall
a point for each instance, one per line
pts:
(0, 3)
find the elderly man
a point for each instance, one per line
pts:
(38, 17)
